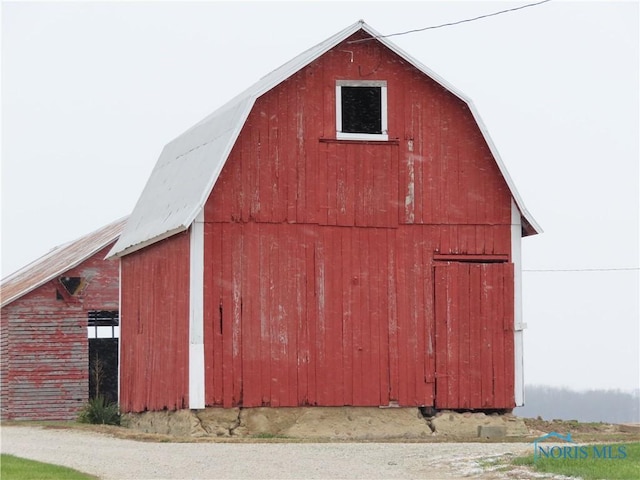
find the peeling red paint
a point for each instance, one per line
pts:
(45, 364)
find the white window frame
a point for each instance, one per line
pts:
(340, 135)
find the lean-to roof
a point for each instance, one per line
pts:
(58, 261)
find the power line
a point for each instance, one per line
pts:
(458, 22)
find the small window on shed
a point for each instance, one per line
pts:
(361, 110)
(73, 285)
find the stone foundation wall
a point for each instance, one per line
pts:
(332, 423)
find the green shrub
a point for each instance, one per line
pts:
(100, 411)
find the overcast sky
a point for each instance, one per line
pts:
(91, 92)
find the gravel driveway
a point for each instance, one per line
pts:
(113, 458)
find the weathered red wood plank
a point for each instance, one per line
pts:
(236, 255)
(453, 332)
(415, 328)
(274, 207)
(335, 352)
(349, 172)
(289, 141)
(341, 180)
(264, 313)
(323, 185)
(424, 292)
(382, 296)
(251, 329)
(277, 344)
(398, 334)
(213, 314)
(303, 354)
(475, 341)
(349, 280)
(359, 318)
(323, 375)
(312, 319)
(465, 317)
(497, 332)
(331, 195)
(372, 335)
(226, 314)
(393, 190)
(376, 315)
(441, 293)
(430, 352)
(487, 343)
(293, 296)
(241, 153)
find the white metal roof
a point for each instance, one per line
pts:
(189, 166)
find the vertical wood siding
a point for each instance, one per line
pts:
(154, 349)
(45, 364)
(319, 270)
(319, 254)
(317, 315)
(474, 336)
(287, 166)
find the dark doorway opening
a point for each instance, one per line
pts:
(103, 368)
(103, 329)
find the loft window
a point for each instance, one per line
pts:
(361, 110)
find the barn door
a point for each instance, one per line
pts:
(474, 335)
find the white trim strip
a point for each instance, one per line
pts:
(196, 314)
(516, 255)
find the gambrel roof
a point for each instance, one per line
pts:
(58, 261)
(189, 166)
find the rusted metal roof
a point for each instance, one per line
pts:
(58, 261)
(189, 166)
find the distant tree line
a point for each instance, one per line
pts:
(609, 406)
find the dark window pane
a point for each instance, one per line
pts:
(361, 109)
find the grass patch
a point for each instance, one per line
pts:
(588, 466)
(16, 468)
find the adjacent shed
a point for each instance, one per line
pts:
(344, 232)
(59, 319)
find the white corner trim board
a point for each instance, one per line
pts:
(196, 314)
(516, 256)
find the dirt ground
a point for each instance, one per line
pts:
(585, 432)
(340, 443)
(123, 453)
(111, 458)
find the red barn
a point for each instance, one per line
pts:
(341, 233)
(53, 314)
